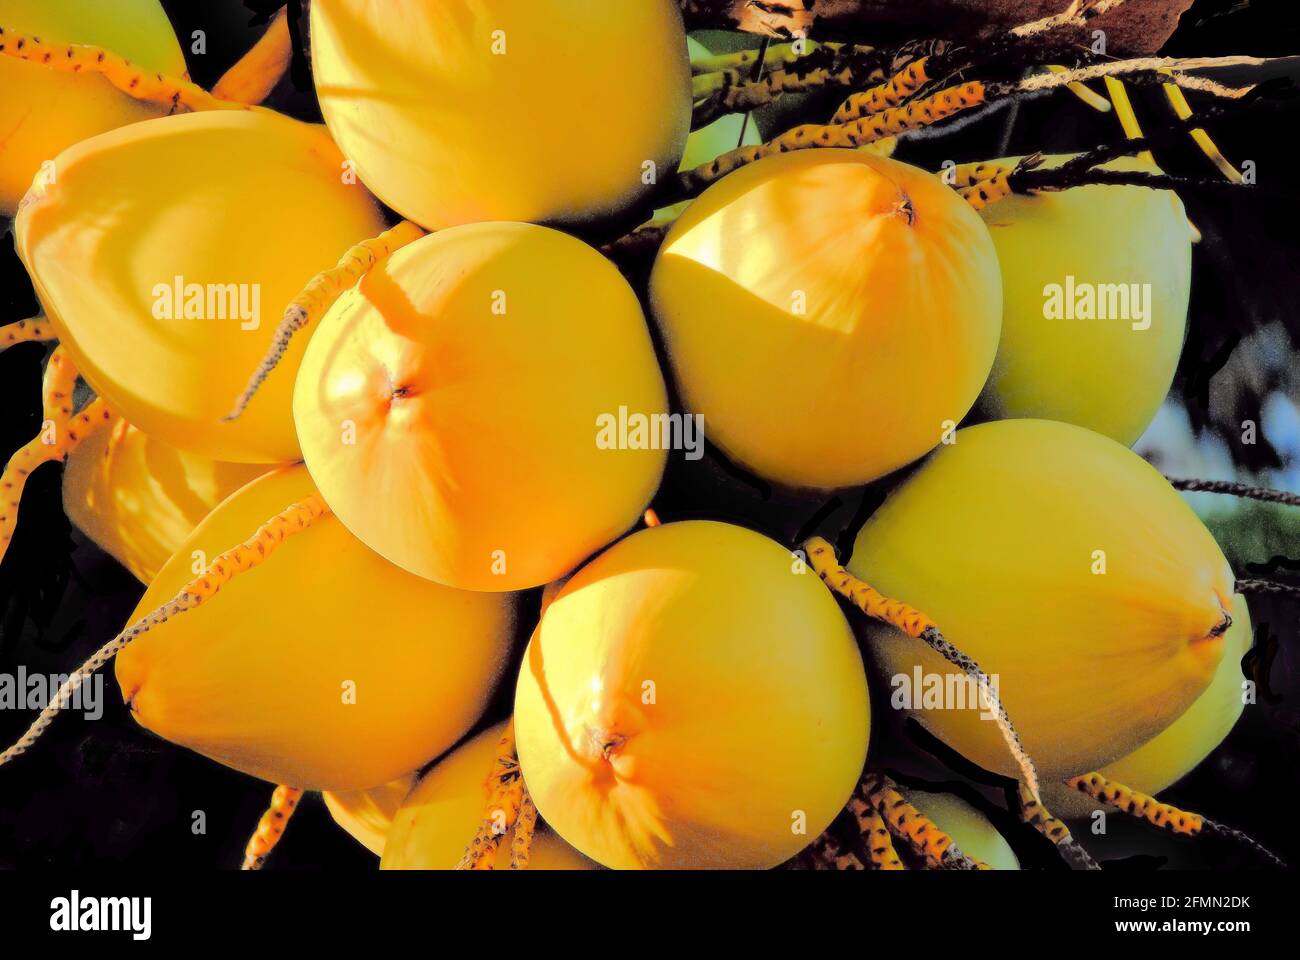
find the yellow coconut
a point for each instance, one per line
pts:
(551, 110)
(368, 814)
(325, 666)
(1071, 571)
(461, 407)
(1172, 754)
(164, 254)
(691, 699)
(1096, 282)
(42, 112)
(829, 312)
(439, 816)
(138, 498)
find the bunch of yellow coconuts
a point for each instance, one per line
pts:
(693, 694)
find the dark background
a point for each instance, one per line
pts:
(110, 792)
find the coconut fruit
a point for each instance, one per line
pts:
(324, 666)
(164, 254)
(1174, 752)
(461, 408)
(1095, 284)
(1072, 573)
(830, 313)
(461, 113)
(692, 698)
(138, 498)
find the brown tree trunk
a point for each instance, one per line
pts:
(1137, 27)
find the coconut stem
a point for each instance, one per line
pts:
(927, 841)
(638, 248)
(1040, 818)
(988, 183)
(874, 834)
(1268, 587)
(1183, 110)
(1164, 815)
(827, 853)
(892, 93)
(914, 623)
(57, 384)
(902, 73)
(921, 113)
(60, 434)
(1125, 113)
(505, 785)
(35, 330)
(823, 67)
(1138, 178)
(319, 295)
(1148, 70)
(1146, 31)
(942, 105)
(1236, 490)
(284, 801)
(1094, 100)
(521, 844)
(1078, 171)
(1137, 804)
(131, 79)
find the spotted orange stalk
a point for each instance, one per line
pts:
(292, 520)
(320, 294)
(732, 87)
(57, 384)
(1040, 818)
(284, 801)
(1165, 815)
(133, 80)
(884, 96)
(60, 434)
(987, 191)
(860, 133)
(35, 330)
(935, 847)
(965, 175)
(67, 437)
(984, 184)
(740, 94)
(826, 853)
(505, 787)
(875, 835)
(914, 623)
(521, 844)
(1137, 804)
